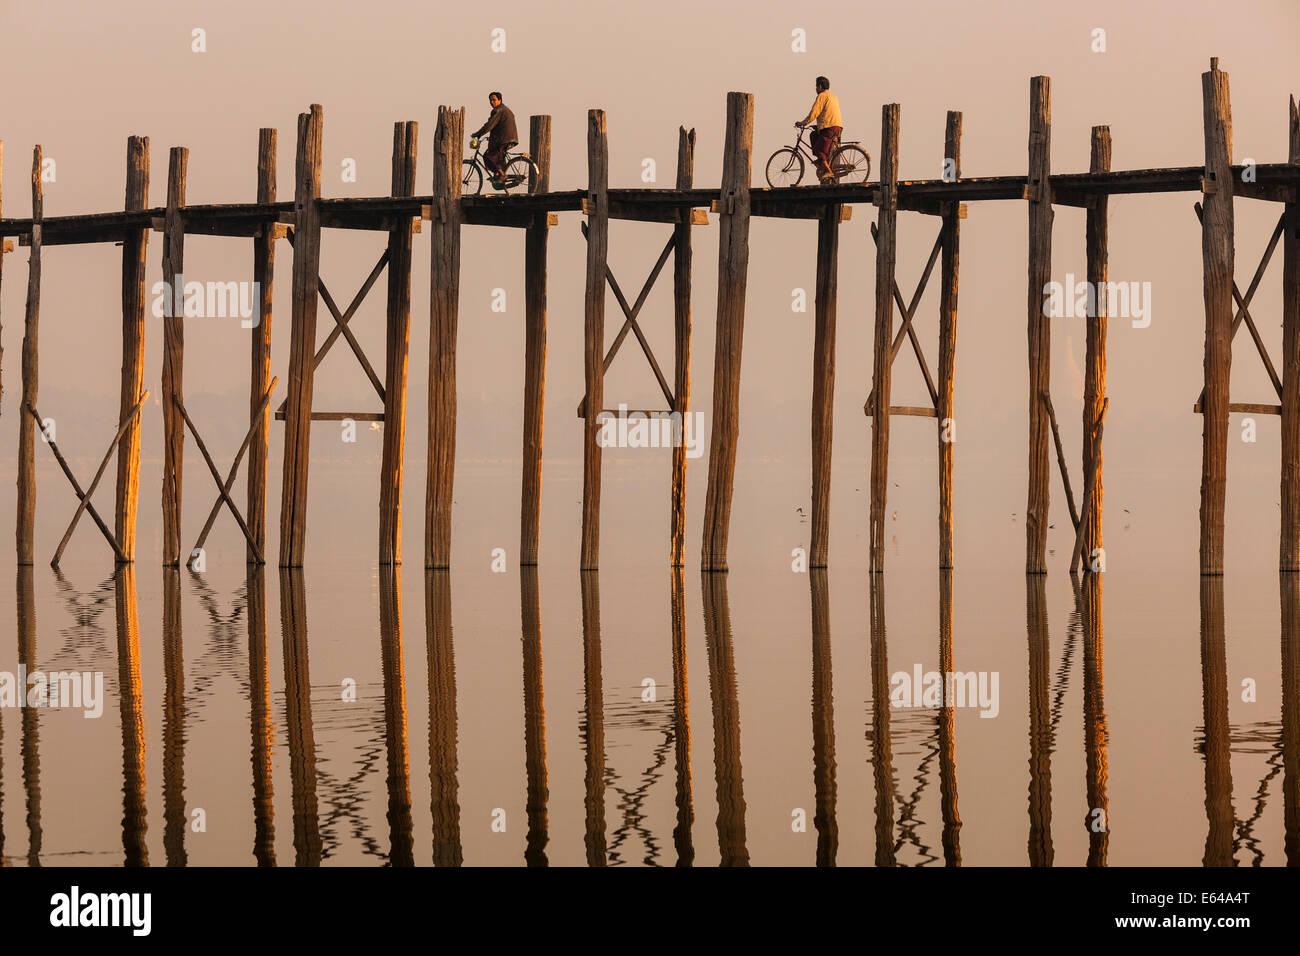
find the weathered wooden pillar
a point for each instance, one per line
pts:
(444, 305)
(302, 338)
(682, 346)
(173, 267)
(1290, 544)
(260, 350)
(682, 725)
(594, 332)
(728, 774)
(1221, 831)
(823, 714)
(823, 390)
(175, 818)
(1041, 851)
(882, 752)
(307, 843)
(593, 719)
(1039, 328)
(397, 350)
(948, 263)
(947, 717)
(886, 246)
(1094, 374)
(537, 790)
(1095, 735)
(401, 845)
(134, 247)
(733, 273)
(26, 521)
(131, 709)
(444, 784)
(261, 723)
(535, 241)
(1218, 263)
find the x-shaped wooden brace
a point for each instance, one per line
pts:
(630, 323)
(341, 320)
(909, 312)
(223, 487)
(1077, 519)
(1243, 306)
(83, 504)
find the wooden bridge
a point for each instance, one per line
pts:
(403, 213)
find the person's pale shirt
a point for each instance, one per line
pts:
(825, 110)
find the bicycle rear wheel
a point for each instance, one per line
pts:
(471, 183)
(851, 165)
(785, 168)
(516, 178)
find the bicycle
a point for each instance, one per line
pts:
(850, 163)
(517, 170)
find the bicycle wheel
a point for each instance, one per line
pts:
(785, 168)
(851, 165)
(516, 178)
(471, 184)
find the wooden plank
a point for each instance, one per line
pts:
(339, 416)
(909, 411)
(134, 249)
(682, 347)
(260, 351)
(886, 253)
(1094, 375)
(25, 525)
(1217, 256)
(823, 385)
(302, 339)
(1250, 408)
(594, 331)
(173, 269)
(733, 269)
(535, 258)
(397, 339)
(1038, 504)
(945, 410)
(444, 306)
(1289, 545)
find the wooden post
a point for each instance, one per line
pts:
(1039, 328)
(948, 340)
(594, 332)
(732, 844)
(302, 339)
(1095, 734)
(823, 707)
(1220, 837)
(398, 341)
(1217, 261)
(173, 268)
(886, 246)
(1290, 543)
(134, 247)
(175, 818)
(307, 843)
(593, 719)
(733, 269)
(882, 751)
(401, 852)
(823, 391)
(681, 348)
(1094, 376)
(1290, 601)
(682, 725)
(947, 715)
(131, 708)
(535, 240)
(1041, 851)
(444, 304)
(444, 785)
(260, 372)
(26, 522)
(261, 724)
(537, 791)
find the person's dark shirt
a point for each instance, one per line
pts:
(500, 126)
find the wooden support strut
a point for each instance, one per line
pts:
(1094, 376)
(173, 357)
(823, 386)
(906, 329)
(886, 250)
(1039, 328)
(535, 256)
(594, 332)
(134, 247)
(681, 347)
(1289, 544)
(733, 268)
(25, 525)
(952, 214)
(444, 305)
(260, 350)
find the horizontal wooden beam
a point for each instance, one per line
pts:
(1246, 407)
(338, 416)
(916, 411)
(784, 209)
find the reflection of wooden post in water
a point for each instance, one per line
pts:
(593, 718)
(726, 723)
(399, 773)
(297, 713)
(1040, 722)
(1291, 716)
(530, 611)
(31, 743)
(443, 786)
(948, 728)
(263, 732)
(823, 720)
(682, 725)
(882, 759)
(1214, 697)
(173, 720)
(1095, 735)
(131, 701)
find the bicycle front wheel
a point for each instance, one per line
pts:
(471, 183)
(785, 168)
(516, 177)
(851, 165)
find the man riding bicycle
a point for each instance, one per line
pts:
(826, 111)
(502, 134)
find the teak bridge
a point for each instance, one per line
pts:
(402, 214)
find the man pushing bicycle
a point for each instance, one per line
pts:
(826, 112)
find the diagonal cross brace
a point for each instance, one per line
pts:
(629, 323)
(908, 312)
